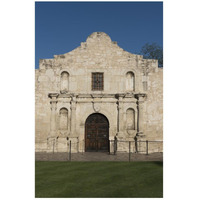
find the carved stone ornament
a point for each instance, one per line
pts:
(63, 91)
(96, 107)
(131, 132)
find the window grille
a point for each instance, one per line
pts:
(97, 81)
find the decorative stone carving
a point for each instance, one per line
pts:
(96, 106)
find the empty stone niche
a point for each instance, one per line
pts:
(130, 119)
(130, 81)
(64, 85)
(63, 120)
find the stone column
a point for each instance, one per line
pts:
(140, 116)
(53, 115)
(120, 115)
(51, 140)
(73, 116)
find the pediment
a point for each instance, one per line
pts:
(98, 45)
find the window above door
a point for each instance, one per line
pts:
(97, 81)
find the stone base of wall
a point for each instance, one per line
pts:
(155, 146)
(41, 146)
(62, 145)
(123, 145)
(74, 144)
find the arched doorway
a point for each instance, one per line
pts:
(96, 133)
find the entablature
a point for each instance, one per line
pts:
(122, 97)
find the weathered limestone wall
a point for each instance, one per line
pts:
(154, 111)
(73, 92)
(42, 105)
(154, 106)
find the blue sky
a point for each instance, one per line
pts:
(62, 26)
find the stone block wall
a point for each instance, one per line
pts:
(98, 54)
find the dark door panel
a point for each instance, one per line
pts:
(97, 133)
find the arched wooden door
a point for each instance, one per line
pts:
(97, 133)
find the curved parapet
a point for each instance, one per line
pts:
(98, 37)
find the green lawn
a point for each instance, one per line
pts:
(98, 179)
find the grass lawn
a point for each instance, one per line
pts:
(98, 179)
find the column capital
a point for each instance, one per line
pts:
(53, 96)
(140, 97)
(73, 97)
(120, 96)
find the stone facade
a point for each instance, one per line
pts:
(131, 98)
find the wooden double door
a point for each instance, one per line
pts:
(96, 133)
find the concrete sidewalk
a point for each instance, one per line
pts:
(97, 156)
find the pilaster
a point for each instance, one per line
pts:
(140, 116)
(53, 103)
(51, 140)
(120, 115)
(73, 115)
